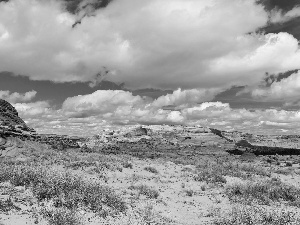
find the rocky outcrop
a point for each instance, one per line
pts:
(59, 142)
(243, 143)
(9, 115)
(220, 134)
(139, 131)
(12, 127)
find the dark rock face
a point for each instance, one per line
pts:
(265, 150)
(243, 143)
(12, 126)
(9, 115)
(140, 131)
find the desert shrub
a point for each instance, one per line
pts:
(103, 164)
(79, 164)
(150, 192)
(264, 192)
(214, 172)
(66, 189)
(285, 171)
(6, 205)
(72, 191)
(119, 168)
(127, 165)
(210, 176)
(254, 170)
(187, 169)
(151, 169)
(148, 214)
(19, 175)
(203, 187)
(145, 215)
(189, 192)
(61, 216)
(275, 179)
(250, 215)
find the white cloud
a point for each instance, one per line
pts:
(276, 53)
(277, 16)
(168, 44)
(287, 89)
(89, 114)
(223, 116)
(274, 123)
(181, 97)
(17, 97)
(100, 102)
(32, 109)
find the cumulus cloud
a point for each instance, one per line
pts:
(32, 109)
(287, 89)
(118, 104)
(183, 97)
(17, 97)
(184, 45)
(100, 102)
(277, 52)
(222, 116)
(144, 43)
(89, 114)
(278, 16)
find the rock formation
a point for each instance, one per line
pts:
(139, 131)
(9, 115)
(13, 130)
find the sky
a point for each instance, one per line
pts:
(78, 67)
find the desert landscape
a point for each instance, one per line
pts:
(156, 174)
(149, 112)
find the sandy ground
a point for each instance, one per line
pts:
(181, 199)
(172, 182)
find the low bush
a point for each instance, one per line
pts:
(250, 169)
(151, 169)
(150, 192)
(6, 205)
(285, 171)
(214, 172)
(127, 165)
(210, 177)
(80, 164)
(61, 216)
(189, 192)
(252, 215)
(66, 189)
(264, 192)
